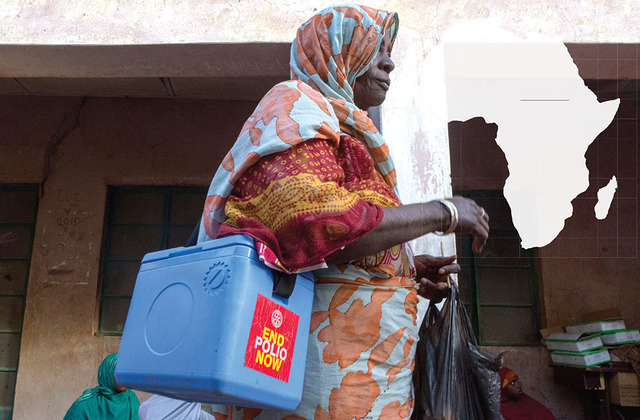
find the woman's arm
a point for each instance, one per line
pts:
(403, 223)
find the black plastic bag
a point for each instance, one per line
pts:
(453, 378)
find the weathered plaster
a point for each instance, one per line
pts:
(175, 21)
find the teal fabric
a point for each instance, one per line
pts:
(104, 402)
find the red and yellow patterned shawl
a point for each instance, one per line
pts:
(309, 201)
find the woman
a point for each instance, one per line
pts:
(311, 180)
(515, 404)
(106, 401)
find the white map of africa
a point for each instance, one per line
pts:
(546, 118)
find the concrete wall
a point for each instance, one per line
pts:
(78, 147)
(176, 21)
(594, 264)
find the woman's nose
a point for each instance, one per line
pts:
(387, 64)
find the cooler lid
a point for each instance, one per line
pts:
(233, 240)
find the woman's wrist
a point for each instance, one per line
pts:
(451, 220)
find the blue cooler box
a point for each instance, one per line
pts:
(206, 325)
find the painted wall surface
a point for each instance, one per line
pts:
(78, 147)
(175, 21)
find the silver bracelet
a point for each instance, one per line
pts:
(453, 213)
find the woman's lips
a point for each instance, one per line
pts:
(385, 83)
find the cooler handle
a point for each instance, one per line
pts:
(283, 283)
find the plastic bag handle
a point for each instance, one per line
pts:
(283, 283)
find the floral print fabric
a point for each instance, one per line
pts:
(308, 202)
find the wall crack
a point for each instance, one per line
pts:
(68, 124)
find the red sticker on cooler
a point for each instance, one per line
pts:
(271, 339)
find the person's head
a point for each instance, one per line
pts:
(106, 374)
(371, 88)
(344, 52)
(511, 387)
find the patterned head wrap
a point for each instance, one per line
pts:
(506, 376)
(337, 45)
(330, 51)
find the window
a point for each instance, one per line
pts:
(499, 287)
(141, 220)
(18, 208)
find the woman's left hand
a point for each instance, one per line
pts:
(431, 275)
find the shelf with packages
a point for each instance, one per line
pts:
(602, 388)
(585, 356)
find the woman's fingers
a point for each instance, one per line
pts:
(473, 220)
(482, 231)
(435, 292)
(448, 269)
(478, 244)
(435, 268)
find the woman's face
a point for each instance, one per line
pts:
(371, 88)
(513, 389)
(117, 387)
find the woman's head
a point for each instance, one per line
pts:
(341, 44)
(106, 374)
(371, 88)
(511, 387)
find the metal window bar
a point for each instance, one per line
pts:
(30, 189)
(166, 225)
(475, 306)
(479, 306)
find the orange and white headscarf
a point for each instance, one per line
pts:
(330, 51)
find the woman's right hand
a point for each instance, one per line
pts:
(472, 220)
